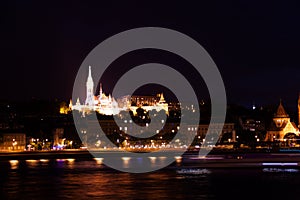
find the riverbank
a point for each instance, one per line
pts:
(188, 159)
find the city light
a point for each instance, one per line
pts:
(14, 164)
(91, 108)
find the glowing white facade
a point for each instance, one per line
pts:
(89, 90)
(107, 105)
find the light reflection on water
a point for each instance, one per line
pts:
(91, 179)
(277, 170)
(99, 161)
(14, 164)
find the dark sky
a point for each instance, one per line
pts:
(255, 44)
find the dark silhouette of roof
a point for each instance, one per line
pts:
(281, 111)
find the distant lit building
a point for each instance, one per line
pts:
(281, 127)
(108, 105)
(139, 100)
(251, 124)
(92, 137)
(58, 138)
(226, 129)
(13, 141)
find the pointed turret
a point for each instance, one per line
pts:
(281, 118)
(162, 99)
(90, 72)
(70, 104)
(90, 82)
(89, 89)
(281, 111)
(77, 102)
(100, 92)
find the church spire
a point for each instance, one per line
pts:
(90, 72)
(89, 89)
(100, 92)
(162, 99)
(281, 111)
(90, 79)
(70, 104)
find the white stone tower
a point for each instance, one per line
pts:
(89, 90)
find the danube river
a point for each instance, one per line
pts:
(91, 179)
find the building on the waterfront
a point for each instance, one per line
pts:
(228, 130)
(248, 123)
(148, 103)
(58, 138)
(281, 127)
(139, 100)
(13, 142)
(108, 105)
(92, 137)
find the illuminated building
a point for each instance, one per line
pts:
(108, 105)
(281, 127)
(92, 138)
(13, 142)
(58, 139)
(157, 103)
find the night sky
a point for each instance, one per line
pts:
(255, 44)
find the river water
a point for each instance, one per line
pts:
(91, 179)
